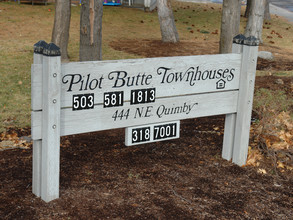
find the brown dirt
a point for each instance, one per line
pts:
(155, 48)
(181, 179)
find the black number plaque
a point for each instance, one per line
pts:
(83, 101)
(141, 96)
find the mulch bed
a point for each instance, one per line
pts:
(180, 179)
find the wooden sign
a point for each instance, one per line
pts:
(123, 93)
(142, 95)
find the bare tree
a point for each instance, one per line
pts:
(267, 15)
(255, 19)
(167, 24)
(91, 14)
(230, 24)
(248, 4)
(60, 34)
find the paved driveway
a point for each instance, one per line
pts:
(282, 8)
(286, 4)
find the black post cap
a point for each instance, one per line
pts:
(248, 41)
(239, 39)
(52, 50)
(251, 41)
(39, 47)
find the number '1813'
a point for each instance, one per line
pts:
(140, 96)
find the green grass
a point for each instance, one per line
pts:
(265, 102)
(24, 25)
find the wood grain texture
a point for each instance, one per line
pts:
(50, 159)
(230, 121)
(36, 77)
(244, 109)
(36, 86)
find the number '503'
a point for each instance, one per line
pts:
(83, 101)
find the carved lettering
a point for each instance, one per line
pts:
(82, 83)
(194, 74)
(121, 79)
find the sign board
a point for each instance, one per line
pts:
(142, 95)
(113, 94)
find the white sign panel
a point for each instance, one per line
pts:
(115, 94)
(162, 110)
(112, 83)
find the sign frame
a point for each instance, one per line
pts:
(52, 102)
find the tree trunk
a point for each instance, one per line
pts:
(230, 24)
(167, 24)
(91, 14)
(248, 4)
(255, 19)
(267, 15)
(60, 34)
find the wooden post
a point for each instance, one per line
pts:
(245, 100)
(230, 120)
(50, 166)
(36, 72)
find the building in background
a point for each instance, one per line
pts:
(147, 5)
